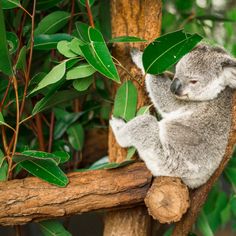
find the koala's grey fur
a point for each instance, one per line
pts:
(190, 140)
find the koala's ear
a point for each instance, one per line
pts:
(229, 71)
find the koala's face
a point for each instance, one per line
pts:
(198, 74)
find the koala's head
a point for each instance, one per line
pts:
(203, 73)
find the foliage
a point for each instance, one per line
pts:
(57, 75)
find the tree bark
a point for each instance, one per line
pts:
(141, 19)
(199, 196)
(31, 199)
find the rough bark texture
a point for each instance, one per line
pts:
(141, 19)
(199, 196)
(30, 199)
(167, 200)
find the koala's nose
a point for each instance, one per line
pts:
(176, 86)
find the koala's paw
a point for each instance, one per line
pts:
(136, 56)
(116, 123)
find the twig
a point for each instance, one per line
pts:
(90, 15)
(51, 132)
(40, 132)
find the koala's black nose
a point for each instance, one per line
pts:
(176, 86)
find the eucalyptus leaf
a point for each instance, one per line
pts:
(46, 4)
(75, 46)
(52, 77)
(76, 136)
(53, 228)
(126, 39)
(13, 42)
(81, 71)
(5, 63)
(97, 55)
(49, 41)
(21, 60)
(3, 167)
(64, 48)
(82, 30)
(52, 23)
(54, 99)
(130, 153)
(203, 225)
(82, 84)
(9, 4)
(83, 2)
(167, 50)
(46, 170)
(107, 166)
(143, 110)
(126, 101)
(2, 122)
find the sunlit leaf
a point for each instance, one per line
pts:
(76, 136)
(64, 48)
(53, 228)
(81, 71)
(75, 46)
(130, 153)
(52, 77)
(143, 110)
(52, 23)
(97, 54)
(126, 101)
(167, 50)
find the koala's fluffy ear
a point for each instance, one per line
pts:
(229, 71)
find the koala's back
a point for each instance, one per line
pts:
(197, 132)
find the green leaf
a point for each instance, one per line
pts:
(81, 71)
(51, 100)
(63, 156)
(231, 174)
(3, 167)
(46, 4)
(2, 122)
(21, 60)
(107, 166)
(49, 41)
(46, 170)
(126, 39)
(5, 63)
(82, 84)
(9, 4)
(53, 228)
(52, 23)
(82, 30)
(167, 50)
(143, 110)
(64, 48)
(126, 101)
(97, 55)
(52, 77)
(203, 225)
(75, 46)
(131, 151)
(12, 41)
(76, 136)
(83, 2)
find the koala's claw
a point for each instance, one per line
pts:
(116, 123)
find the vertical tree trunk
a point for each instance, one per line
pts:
(141, 18)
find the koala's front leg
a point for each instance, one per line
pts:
(141, 132)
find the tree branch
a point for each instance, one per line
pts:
(31, 199)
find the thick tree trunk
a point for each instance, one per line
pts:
(141, 19)
(31, 199)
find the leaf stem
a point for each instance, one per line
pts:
(90, 15)
(51, 132)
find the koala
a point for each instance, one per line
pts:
(190, 139)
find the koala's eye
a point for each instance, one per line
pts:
(193, 81)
